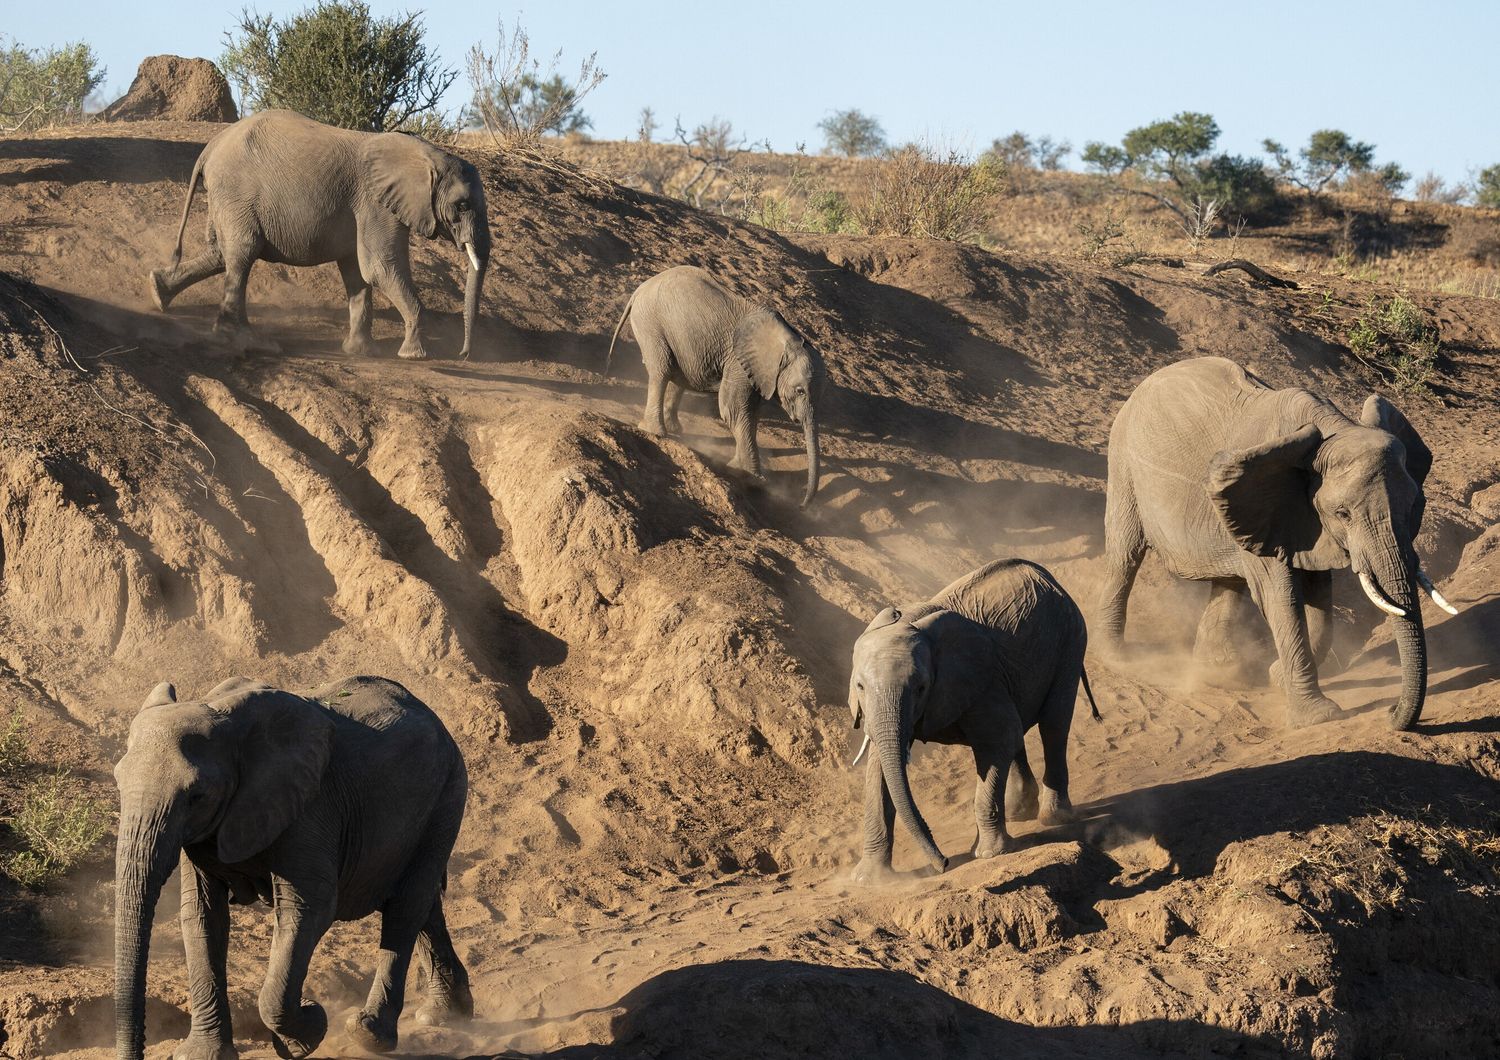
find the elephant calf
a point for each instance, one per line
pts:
(287, 189)
(988, 657)
(695, 335)
(329, 807)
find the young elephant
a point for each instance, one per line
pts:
(327, 808)
(988, 657)
(287, 189)
(694, 335)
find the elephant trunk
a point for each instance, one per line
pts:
(479, 262)
(1395, 571)
(810, 433)
(145, 853)
(892, 739)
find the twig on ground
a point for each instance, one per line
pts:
(1255, 272)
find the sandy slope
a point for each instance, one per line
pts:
(644, 659)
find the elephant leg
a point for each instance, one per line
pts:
(205, 940)
(167, 284)
(448, 996)
(393, 277)
(656, 356)
(1124, 548)
(302, 918)
(1054, 723)
(991, 762)
(359, 343)
(673, 399)
(1276, 590)
(1317, 608)
(1021, 789)
(239, 256)
(742, 414)
(880, 823)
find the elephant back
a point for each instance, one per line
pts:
(1007, 595)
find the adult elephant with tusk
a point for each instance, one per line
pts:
(994, 653)
(284, 188)
(695, 335)
(1268, 492)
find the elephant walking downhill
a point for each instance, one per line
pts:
(694, 335)
(996, 652)
(1268, 492)
(284, 188)
(328, 807)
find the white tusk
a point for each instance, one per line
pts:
(1377, 597)
(473, 257)
(1437, 597)
(862, 749)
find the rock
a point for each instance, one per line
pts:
(171, 88)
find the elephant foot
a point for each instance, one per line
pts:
(873, 871)
(297, 1036)
(196, 1048)
(1311, 712)
(412, 350)
(446, 1006)
(160, 296)
(992, 846)
(359, 346)
(651, 427)
(1021, 803)
(369, 1033)
(1055, 808)
(673, 425)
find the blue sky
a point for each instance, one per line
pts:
(1418, 81)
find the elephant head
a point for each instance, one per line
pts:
(231, 773)
(783, 365)
(436, 195)
(911, 670)
(1352, 497)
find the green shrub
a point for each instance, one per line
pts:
(1487, 187)
(1396, 339)
(14, 755)
(338, 64)
(58, 824)
(518, 102)
(921, 190)
(852, 133)
(45, 87)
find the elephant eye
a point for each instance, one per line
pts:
(859, 686)
(1341, 512)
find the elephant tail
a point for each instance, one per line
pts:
(188, 205)
(610, 356)
(1093, 707)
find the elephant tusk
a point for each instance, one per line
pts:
(473, 257)
(1377, 597)
(1437, 597)
(862, 749)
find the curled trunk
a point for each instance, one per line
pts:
(810, 433)
(891, 740)
(145, 853)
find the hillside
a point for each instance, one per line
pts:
(645, 659)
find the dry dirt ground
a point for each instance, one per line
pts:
(644, 658)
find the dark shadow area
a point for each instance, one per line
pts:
(118, 159)
(775, 1009)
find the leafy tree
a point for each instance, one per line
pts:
(852, 133)
(1104, 158)
(549, 105)
(1487, 187)
(1329, 154)
(338, 64)
(516, 102)
(45, 87)
(1020, 152)
(1171, 149)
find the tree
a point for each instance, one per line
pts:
(852, 133)
(338, 64)
(1104, 158)
(48, 87)
(1020, 152)
(515, 101)
(1487, 187)
(1329, 154)
(1171, 149)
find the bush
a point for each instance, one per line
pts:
(516, 102)
(1487, 187)
(1238, 182)
(852, 133)
(1433, 188)
(1332, 154)
(337, 64)
(1104, 158)
(57, 824)
(1397, 340)
(40, 88)
(920, 190)
(1020, 152)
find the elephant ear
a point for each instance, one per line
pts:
(762, 349)
(886, 617)
(402, 173)
(1381, 414)
(961, 652)
(282, 743)
(160, 696)
(1264, 494)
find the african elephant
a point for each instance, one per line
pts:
(287, 189)
(1268, 490)
(327, 807)
(994, 653)
(695, 335)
